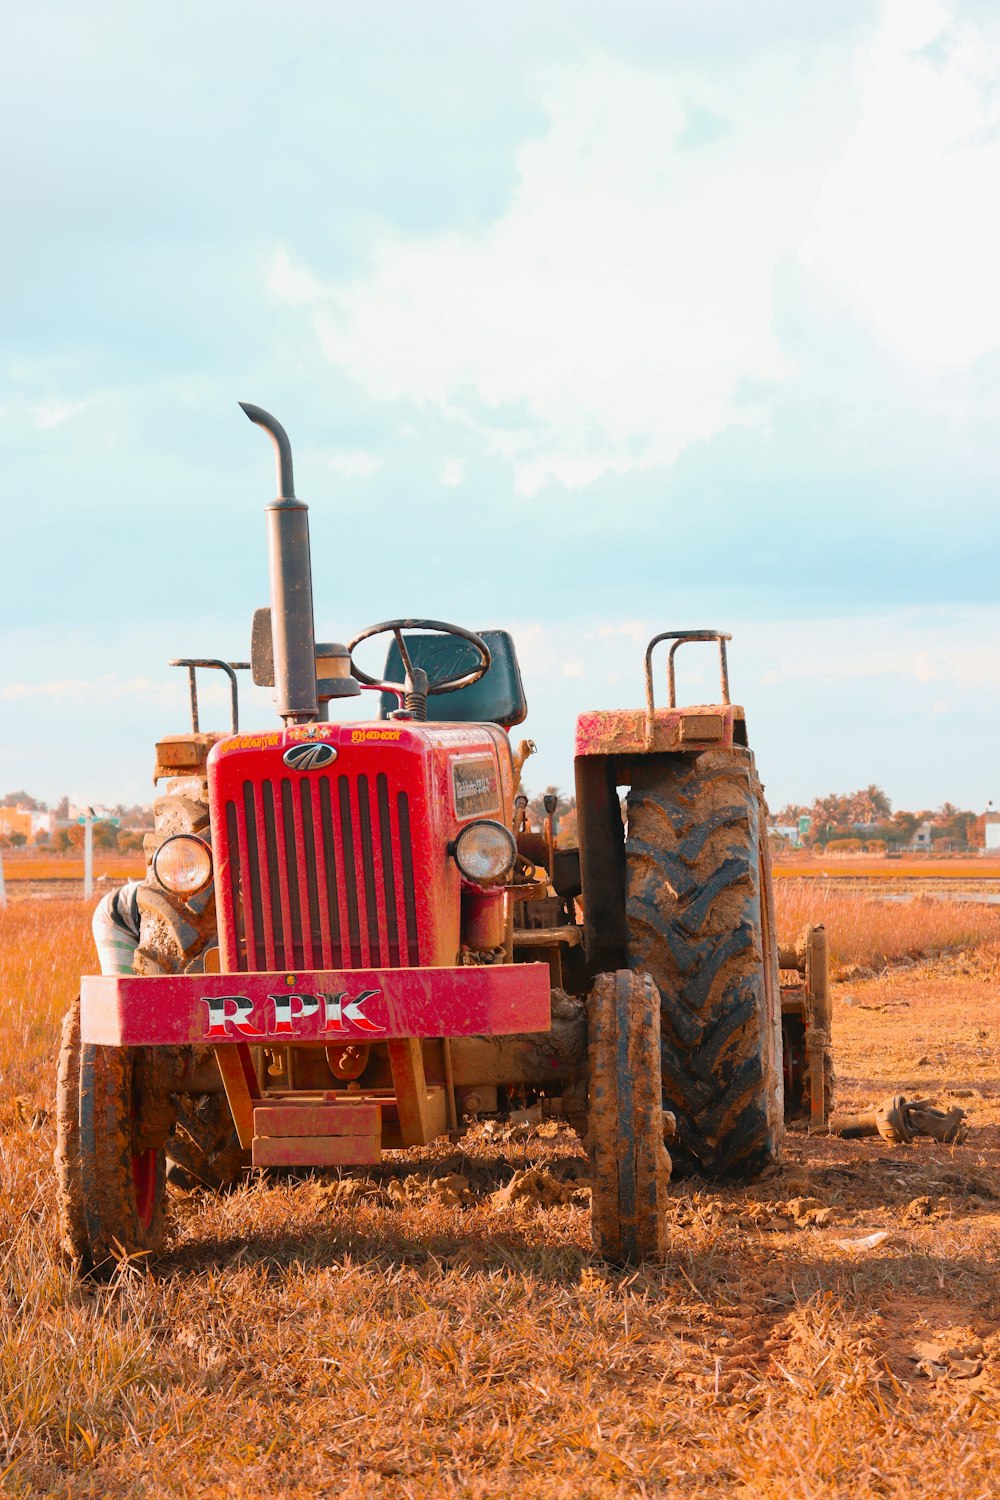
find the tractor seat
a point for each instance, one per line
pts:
(498, 696)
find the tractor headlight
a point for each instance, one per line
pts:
(183, 864)
(485, 851)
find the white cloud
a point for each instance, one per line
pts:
(574, 667)
(53, 413)
(452, 472)
(354, 463)
(632, 630)
(110, 689)
(908, 227)
(910, 649)
(620, 308)
(290, 283)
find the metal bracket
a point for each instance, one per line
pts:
(229, 667)
(679, 637)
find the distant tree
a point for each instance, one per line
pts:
(42, 836)
(904, 825)
(105, 835)
(61, 808)
(14, 840)
(76, 835)
(869, 804)
(829, 814)
(791, 813)
(61, 841)
(567, 836)
(953, 825)
(23, 799)
(536, 807)
(138, 815)
(130, 840)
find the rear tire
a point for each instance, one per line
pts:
(700, 921)
(630, 1164)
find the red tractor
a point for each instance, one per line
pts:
(348, 941)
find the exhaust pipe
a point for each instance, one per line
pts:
(292, 627)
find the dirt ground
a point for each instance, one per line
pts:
(441, 1327)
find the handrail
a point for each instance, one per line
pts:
(229, 667)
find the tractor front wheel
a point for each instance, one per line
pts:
(110, 1162)
(123, 1172)
(625, 1118)
(69, 1180)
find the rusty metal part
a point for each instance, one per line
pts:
(481, 1100)
(451, 1107)
(348, 1062)
(547, 937)
(230, 668)
(947, 1126)
(539, 1060)
(294, 639)
(602, 861)
(564, 870)
(806, 1025)
(183, 755)
(680, 638)
(550, 803)
(630, 732)
(892, 1122)
(897, 1120)
(484, 920)
(524, 749)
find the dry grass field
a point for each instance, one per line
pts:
(810, 865)
(54, 867)
(406, 1334)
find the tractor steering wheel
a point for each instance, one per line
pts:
(413, 675)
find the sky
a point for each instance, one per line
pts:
(589, 320)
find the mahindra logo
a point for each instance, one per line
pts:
(309, 757)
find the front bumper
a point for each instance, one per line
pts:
(326, 1006)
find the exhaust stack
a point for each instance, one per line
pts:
(292, 627)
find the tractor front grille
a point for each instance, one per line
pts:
(320, 873)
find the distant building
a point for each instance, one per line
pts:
(921, 837)
(992, 832)
(16, 820)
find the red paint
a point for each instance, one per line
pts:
(346, 867)
(343, 1118)
(628, 731)
(359, 1004)
(316, 1151)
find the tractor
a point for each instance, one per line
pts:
(350, 941)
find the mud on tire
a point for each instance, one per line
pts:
(75, 1242)
(629, 1162)
(175, 934)
(110, 1182)
(700, 921)
(124, 1180)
